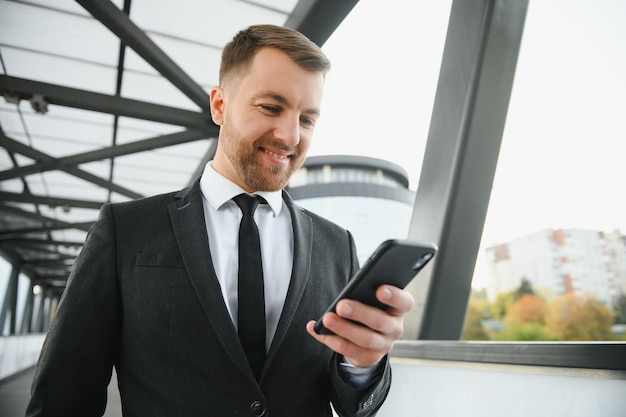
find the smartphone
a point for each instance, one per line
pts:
(395, 262)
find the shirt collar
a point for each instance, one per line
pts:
(218, 190)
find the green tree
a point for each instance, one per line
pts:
(501, 304)
(525, 320)
(505, 299)
(579, 317)
(473, 329)
(526, 309)
(525, 287)
(620, 309)
(525, 331)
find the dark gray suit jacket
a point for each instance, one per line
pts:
(143, 297)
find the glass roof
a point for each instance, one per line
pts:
(85, 120)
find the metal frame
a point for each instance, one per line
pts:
(581, 355)
(463, 145)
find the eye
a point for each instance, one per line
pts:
(307, 121)
(269, 108)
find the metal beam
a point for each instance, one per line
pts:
(120, 24)
(49, 164)
(35, 243)
(469, 114)
(6, 233)
(46, 159)
(9, 304)
(71, 97)
(318, 19)
(49, 201)
(58, 261)
(47, 221)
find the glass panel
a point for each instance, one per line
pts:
(58, 137)
(70, 6)
(379, 93)
(200, 62)
(42, 29)
(63, 185)
(23, 289)
(552, 264)
(61, 71)
(283, 5)
(155, 89)
(197, 20)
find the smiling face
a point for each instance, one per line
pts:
(267, 115)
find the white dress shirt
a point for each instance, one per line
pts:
(273, 220)
(222, 216)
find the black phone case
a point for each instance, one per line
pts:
(395, 262)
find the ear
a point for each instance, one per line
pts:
(217, 105)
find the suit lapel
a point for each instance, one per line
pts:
(187, 217)
(302, 246)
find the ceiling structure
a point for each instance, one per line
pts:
(107, 101)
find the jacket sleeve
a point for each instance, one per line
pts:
(351, 402)
(75, 364)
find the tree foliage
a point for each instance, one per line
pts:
(525, 288)
(501, 304)
(529, 317)
(579, 317)
(620, 309)
(473, 329)
(526, 309)
(528, 331)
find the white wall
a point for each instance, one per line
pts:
(18, 353)
(424, 388)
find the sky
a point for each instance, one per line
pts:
(565, 136)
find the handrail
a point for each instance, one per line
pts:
(590, 355)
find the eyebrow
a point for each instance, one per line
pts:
(283, 100)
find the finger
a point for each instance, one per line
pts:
(399, 301)
(356, 354)
(368, 316)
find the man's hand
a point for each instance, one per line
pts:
(366, 343)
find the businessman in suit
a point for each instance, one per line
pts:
(155, 290)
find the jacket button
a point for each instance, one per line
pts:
(257, 409)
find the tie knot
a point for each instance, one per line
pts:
(248, 203)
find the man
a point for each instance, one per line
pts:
(155, 290)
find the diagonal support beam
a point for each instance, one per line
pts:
(318, 19)
(48, 221)
(49, 201)
(50, 164)
(120, 24)
(8, 233)
(21, 88)
(38, 243)
(25, 150)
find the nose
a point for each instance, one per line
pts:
(288, 130)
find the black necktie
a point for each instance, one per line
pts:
(251, 321)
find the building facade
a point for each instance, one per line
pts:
(558, 261)
(370, 197)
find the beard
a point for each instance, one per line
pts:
(257, 173)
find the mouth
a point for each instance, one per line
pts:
(281, 156)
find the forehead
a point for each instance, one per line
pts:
(273, 70)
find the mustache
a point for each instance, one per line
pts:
(271, 142)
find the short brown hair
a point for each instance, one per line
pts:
(240, 51)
